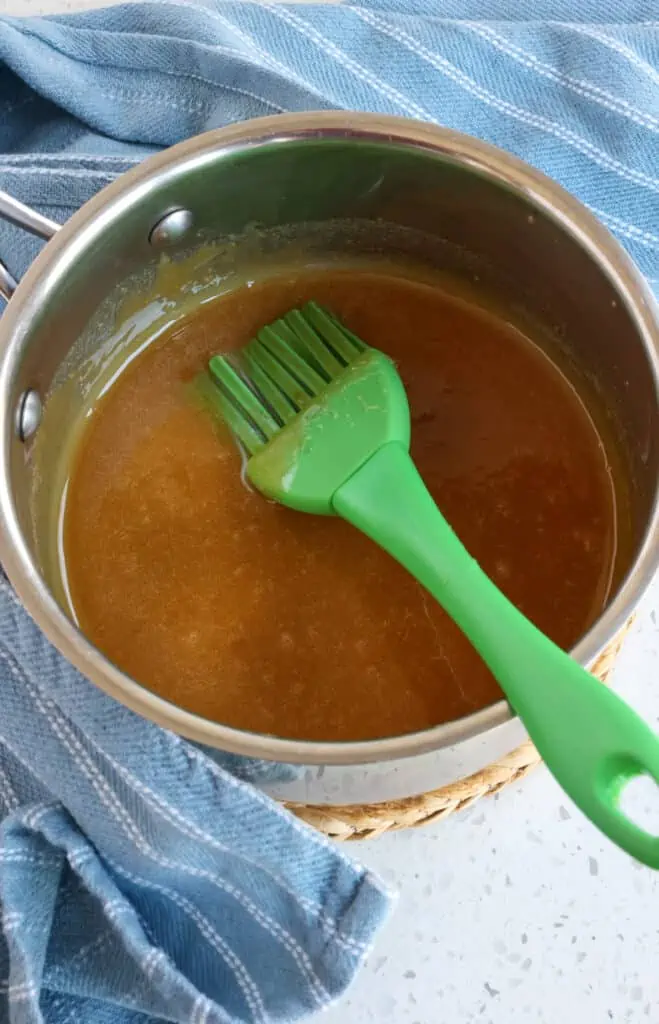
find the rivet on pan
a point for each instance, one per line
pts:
(28, 414)
(171, 228)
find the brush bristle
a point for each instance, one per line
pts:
(281, 371)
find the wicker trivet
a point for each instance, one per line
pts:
(368, 821)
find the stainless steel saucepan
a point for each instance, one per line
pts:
(457, 202)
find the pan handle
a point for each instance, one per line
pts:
(25, 217)
(8, 283)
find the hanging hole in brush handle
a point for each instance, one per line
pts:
(639, 801)
(21, 216)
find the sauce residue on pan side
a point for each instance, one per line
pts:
(274, 621)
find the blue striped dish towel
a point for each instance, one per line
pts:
(140, 881)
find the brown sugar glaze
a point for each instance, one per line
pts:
(270, 620)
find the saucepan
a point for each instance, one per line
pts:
(446, 197)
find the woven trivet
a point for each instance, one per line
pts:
(368, 821)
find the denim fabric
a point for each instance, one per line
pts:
(572, 89)
(140, 880)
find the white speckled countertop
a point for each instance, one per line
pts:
(515, 910)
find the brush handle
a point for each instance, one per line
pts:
(591, 741)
